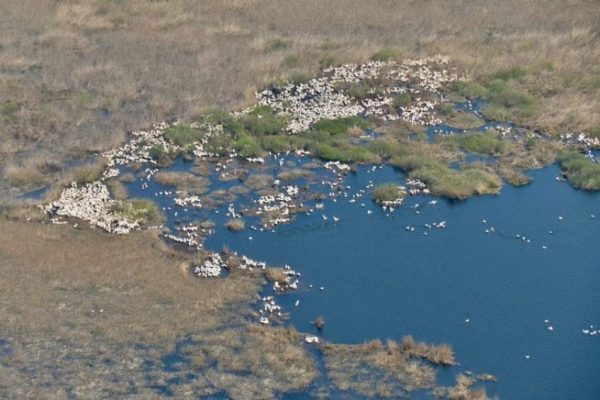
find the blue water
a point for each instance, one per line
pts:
(383, 281)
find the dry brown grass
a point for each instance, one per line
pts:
(374, 369)
(236, 224)
(183, 181)
(77, 75)
(437, 354)
(89, 313)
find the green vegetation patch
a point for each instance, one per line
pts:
(402, 100)
(263, 121)
(87, 174)
(141, 210)
(344, 153)
(158, 152)
(506, 100)
(469, 89)
(340, 126)
(9, 109)
(582, 172)
(386, 55)
(482, 143)
(248, 146)
(387, 192)
(448, 182)
(282, 143)
(182, 135)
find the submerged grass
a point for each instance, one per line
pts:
(376, 370)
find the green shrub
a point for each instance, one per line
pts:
(158, 152)
(507, 99)
(87, 174)
(299, 77)
(328, 152)
(220, 145)
(482, 143)
(387, 192)
(514, 73)
(447, 182)
(360, 91)
(263, 121)
(402, 100)
(9, 109)
(247, 146)
(339, 126)
(385, 55)
(447, 108)
(327, 61)
(182, 134)
(329, 45)
(290, 61)
(281, 143)
(231, 125)
(582, 172)
(470, 90)
(141, 210)
(385, 148)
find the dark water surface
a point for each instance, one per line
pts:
(382, 280)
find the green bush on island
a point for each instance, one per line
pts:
(448, 182)
(387, 192)
(581, 171)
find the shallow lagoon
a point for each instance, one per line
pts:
(383, 281)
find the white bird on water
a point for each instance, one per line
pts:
(369, 212)
(336, 219)
(324, 217)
